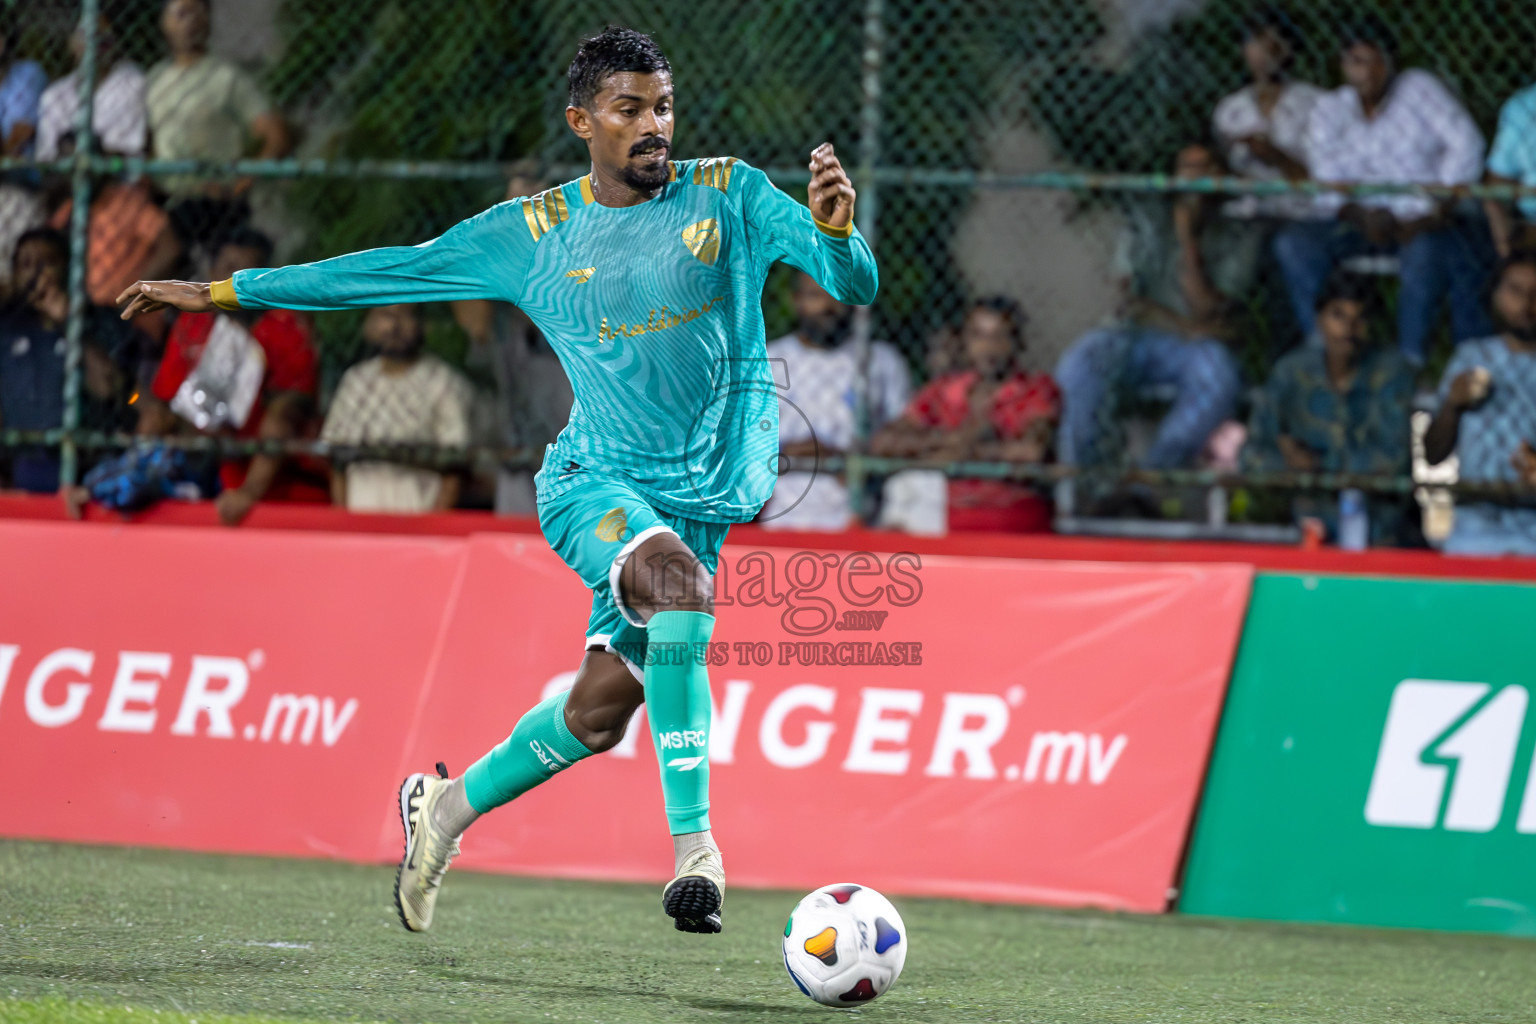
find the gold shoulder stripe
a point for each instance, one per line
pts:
(586, 187)
(534, 228)
(715, 172)
(672, 169)
(546, 210)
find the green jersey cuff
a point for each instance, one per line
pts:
(223, 294)
(846, 231)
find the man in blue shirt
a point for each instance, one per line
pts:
(1487, 417)
(32, 359)
(646, 276)
(1512, 161)
(21, 89)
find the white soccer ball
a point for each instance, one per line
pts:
(844, 945)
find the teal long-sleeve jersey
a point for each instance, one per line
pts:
(654, 310)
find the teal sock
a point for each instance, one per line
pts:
(678, 707)
(540, 745)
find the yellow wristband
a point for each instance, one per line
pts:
(223, 294)
(846, 231)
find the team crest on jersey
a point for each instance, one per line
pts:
(703, 240)
(612, 526)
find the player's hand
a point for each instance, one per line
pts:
(153, 296)
(831, 192)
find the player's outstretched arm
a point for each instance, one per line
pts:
(485, 257)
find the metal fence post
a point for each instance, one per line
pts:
(871, 62)
(69, 455)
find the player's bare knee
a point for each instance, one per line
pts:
(666, 576)
(682, 586)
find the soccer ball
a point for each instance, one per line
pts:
(844, 945)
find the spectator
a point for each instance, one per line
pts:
(203, 107)
(1183, 277)
(1341, 408)
(401, 396)
(818, 366)
(117, 115)
(1512, 161)
(21, 88)
(32, 350)
(129, 238)
(1385, 126)
(283, 406)
(991, 410)
(1487, 417)
(1262, 128)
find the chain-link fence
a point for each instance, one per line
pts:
(1034, 150)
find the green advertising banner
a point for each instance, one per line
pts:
(1374, 764)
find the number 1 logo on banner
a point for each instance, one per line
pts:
(1434, 727)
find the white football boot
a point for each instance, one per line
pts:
(428, 850)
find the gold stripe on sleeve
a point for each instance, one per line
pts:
(223, 294)
(846, 231)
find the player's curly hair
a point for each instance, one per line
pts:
(611, 51)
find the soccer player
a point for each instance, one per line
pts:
(646, 275)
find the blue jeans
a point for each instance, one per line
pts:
(1454, 260)
(1103, 363)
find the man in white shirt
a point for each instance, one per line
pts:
(817, 369)
(1386, 126)
(1262, 128)
(117, 117)
(402, 396)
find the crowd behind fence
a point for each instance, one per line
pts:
(1211, 268)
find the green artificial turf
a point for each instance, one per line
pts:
(101, 935)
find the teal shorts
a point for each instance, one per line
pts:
(594, 529)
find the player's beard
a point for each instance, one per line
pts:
(645, 177)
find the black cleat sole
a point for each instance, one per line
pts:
(693, 903)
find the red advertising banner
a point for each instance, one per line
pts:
(210, 690)
(986, 728)
(993, 729)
